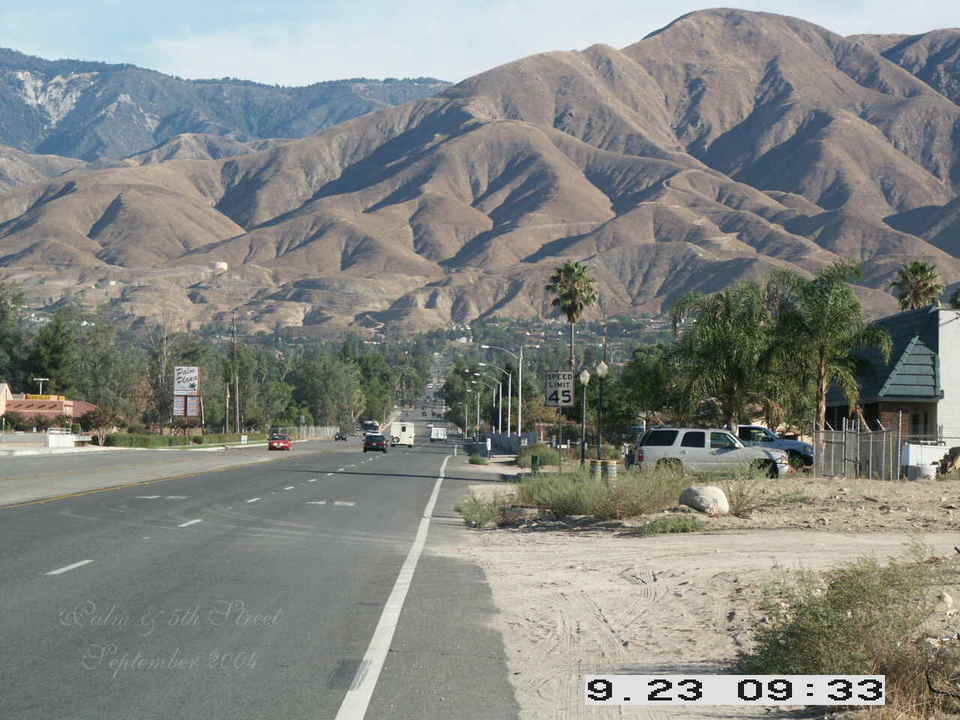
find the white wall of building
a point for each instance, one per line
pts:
(948, 411)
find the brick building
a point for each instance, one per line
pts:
(46, 407)
(920, 385)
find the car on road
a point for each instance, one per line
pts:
(706, 450)
(374, 442)
(279, 441)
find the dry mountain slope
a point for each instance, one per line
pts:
(726, 144)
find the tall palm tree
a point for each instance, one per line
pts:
(917, 285)
(821, 330)
(575, 291)
(723, 354)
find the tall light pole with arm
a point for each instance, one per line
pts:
(519, 359)
(509, 391)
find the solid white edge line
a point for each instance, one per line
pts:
(252, 500)
(188, 523)
(357, 699)
(68, 568)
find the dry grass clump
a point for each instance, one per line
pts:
(864, 618)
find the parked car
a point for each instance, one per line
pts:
(800, 453)
(372, 441)
(278, 441)
(706, 450)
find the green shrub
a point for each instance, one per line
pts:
(479, 460)
(548, 455)
(478, 512)
(863, 618)
(632, 494)
(672, 524)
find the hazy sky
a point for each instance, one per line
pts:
(295, 42)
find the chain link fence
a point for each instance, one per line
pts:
(855, 451)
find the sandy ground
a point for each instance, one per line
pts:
(571, 603)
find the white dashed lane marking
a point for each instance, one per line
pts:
(176, 497)
(289, 487)
(316, 502)
(148, 497)
(344, 503)
(68, 568)
(252, 500)
(188, 523)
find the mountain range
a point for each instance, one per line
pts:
(722, 146)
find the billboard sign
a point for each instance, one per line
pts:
(186, 380)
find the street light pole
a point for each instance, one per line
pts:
(602, 371)
(500, 408)
(584, 381)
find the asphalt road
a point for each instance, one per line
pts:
(252, 592)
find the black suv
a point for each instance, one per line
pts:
(375, 442)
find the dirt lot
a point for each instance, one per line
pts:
(574, 602)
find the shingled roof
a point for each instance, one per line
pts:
(914, 368)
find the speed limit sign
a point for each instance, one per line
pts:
(559, 392)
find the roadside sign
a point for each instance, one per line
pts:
(186, 380)
(559, 391)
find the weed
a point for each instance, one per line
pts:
(672, 524)
(480, 512)
(863, 618)
(479, 460)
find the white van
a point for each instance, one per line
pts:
(438, 434)
(401, 433)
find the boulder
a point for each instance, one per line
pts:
(706, 498)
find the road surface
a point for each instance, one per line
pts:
(254, 592)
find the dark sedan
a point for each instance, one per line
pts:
(375, 442)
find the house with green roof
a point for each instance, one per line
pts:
(920, 386)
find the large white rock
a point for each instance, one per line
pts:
(706, 498)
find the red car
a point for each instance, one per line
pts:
(280, 442)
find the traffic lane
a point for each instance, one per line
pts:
(53, 476)
(53, 534)
(330, 593)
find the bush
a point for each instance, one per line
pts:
(16, 421)
(744, 491)
(863, 618)
(634, 493)
(479, 460)
(548, 455)
(675, 524)
(478, 512)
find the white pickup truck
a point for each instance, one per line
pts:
(800, 453)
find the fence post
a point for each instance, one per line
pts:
(899, 442)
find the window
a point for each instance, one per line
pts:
(660, 438)
(721, 441)
(694, 439)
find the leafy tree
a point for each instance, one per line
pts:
(917, 285)
(12, 336)
(723, 353)
(574, 292)
(821, 331)
(56, 352)
(955, 299)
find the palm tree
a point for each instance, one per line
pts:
(575, 291)
(917, 285)
(821, 331)
(723, 355)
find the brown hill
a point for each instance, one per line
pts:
(726, 144)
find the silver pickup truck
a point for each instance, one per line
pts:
(800, 453)
(707, 450)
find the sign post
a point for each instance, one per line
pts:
(559, 389)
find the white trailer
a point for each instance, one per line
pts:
(402, 433)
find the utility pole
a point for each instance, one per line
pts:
(236, 375)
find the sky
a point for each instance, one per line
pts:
(296, 42)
